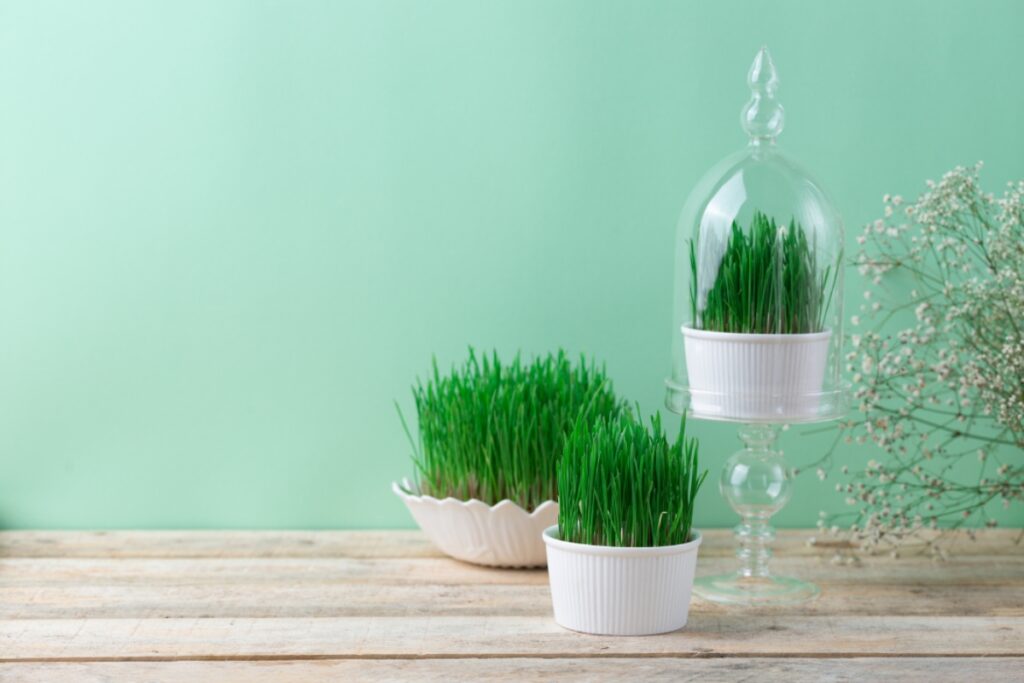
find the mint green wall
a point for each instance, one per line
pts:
(231, 233)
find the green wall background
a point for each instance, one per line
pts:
(232, 233)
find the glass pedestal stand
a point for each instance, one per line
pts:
(757, 484)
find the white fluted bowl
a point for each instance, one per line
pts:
(501, 535)
(756, 377)
(611, 591)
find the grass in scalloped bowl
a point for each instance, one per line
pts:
(494, 431)
(767, 282)
(623, 484)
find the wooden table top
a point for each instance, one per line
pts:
(384, 605)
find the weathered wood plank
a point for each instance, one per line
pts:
(655, 670)
(378, 544)
(443, 571)
(216, 544)
(50, 572)
(365, 596)
(735, 634)
(323, 599)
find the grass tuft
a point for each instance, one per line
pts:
(767, 282)
(492, 431)
(622, 484)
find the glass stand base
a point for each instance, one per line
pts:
(737, 589)
(756, 483)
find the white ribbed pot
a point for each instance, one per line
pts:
(501, 535)
(755, 377)
(620, 591)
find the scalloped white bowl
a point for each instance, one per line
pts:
(502, 535)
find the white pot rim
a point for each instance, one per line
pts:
(402, 490)
(551, 539)
(761, 338)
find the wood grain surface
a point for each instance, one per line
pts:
(385, 605)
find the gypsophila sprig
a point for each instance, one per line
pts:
(767, 282)
(938, 372)
(494, 431)
(621, 483)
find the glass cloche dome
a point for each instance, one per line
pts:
(757, 328)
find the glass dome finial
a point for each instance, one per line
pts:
(763, 116)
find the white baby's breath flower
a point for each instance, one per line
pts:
(943, 370)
